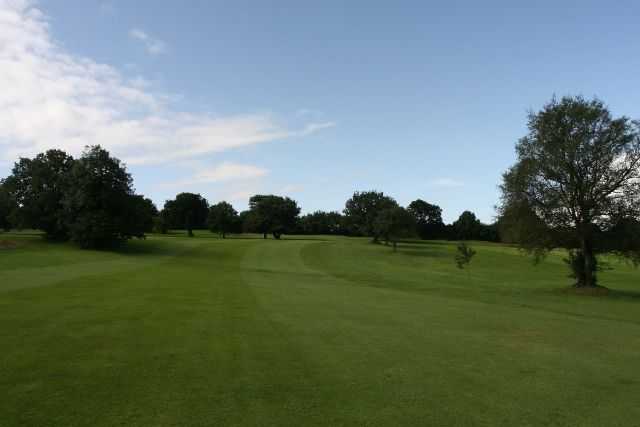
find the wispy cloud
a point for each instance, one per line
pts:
(446, 183)
(226, 171)
(153, 45)
(107, 7)
(54, 99)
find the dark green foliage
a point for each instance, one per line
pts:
(187, 211)
(575, 184)
(320, 222)
(575, 262)
(362, 209)
(395, 223)
(428, 217)
(272, 214)
(5, 207)
(37, 187)
(464, 255)
(223, 219)
(144, 213)
(100, 209)
(467, 226)
(161, 223)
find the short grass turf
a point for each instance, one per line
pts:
(309, 331)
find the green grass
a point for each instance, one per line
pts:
(309, 331)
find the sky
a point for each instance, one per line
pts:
(313, 100)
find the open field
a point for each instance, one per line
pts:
(309, 331)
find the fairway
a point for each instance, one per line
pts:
(310, 331)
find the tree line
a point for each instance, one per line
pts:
(91, 201)
(575, 186)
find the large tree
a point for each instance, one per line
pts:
(575, 185)
(428, 219)
(273, 214)
(100, 209)
(223, 218)
(188, 211)
(362, 209)
(38, 186)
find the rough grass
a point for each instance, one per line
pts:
(310, 331)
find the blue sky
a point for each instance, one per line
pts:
(309, 99)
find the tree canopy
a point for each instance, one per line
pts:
(395, 223)
(428, 219)
(188, 210)
(467, 226)
(273, 214)
(321, 222)
(362, 209)
(37, 187)
(575, 185)
(223, 219)
(100, 209)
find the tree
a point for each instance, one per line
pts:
(320, 222)
(161, 223)
(395, 223)
(100, 209)
(273, 214)
(428, 219)
(223, 218)
(362, 209)
(576, 182)
(5, 207)
(464, 255)
(467, 226)
(37, 187)
(188, 211)
(144, 212)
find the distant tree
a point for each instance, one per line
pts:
(161, 223)
(489, 232)
(37, 187)
(320, 222)
(576, 180)
(428, 219)
(272, 214)
(395, 223)
(5, 207)
(464, 255)
(100, 209)
(362, 209)
(248, 222)
(188, 211)
(467, 226)
(223, 218)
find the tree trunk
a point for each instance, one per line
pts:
(224, 235)
(395, 246)
(264, 235)
(190, 232)
(589, 272)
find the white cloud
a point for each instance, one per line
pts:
(54, 99)
(446, 183)
(153, 45)
(226, 171)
